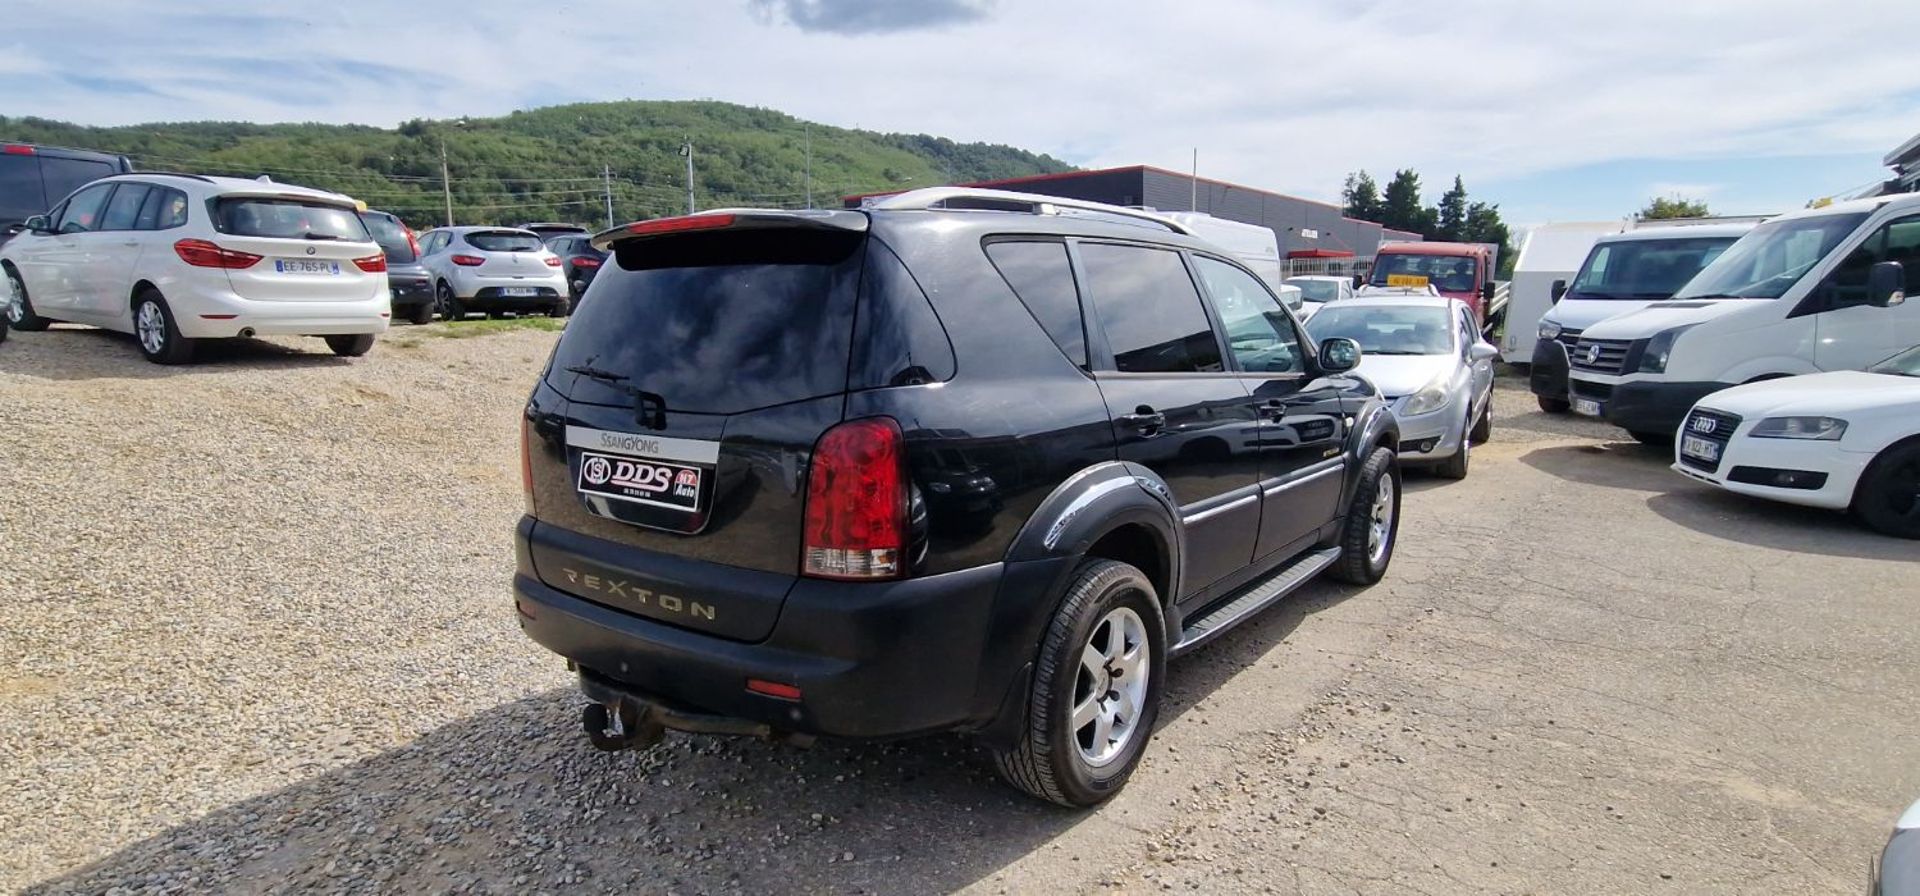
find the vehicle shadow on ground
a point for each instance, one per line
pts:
(1771, 524)
(1628, 465)
(65, 353)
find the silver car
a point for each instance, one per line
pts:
(1428, 360)
(493, 269)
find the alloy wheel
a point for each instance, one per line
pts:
(151, 325)
(1380, 532)
(1110, 689)
(16, 300)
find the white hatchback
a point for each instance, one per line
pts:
(177, 258)
(1846, 440)
(493, 269)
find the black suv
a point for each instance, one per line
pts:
(959, 462)
(33, 178)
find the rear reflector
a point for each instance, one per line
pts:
(204, 254)
(15, 149)
(675, 225)
(469, 261)
(773, 689)
(372, 264)
(856, 518)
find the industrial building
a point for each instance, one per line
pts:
(1313, 236)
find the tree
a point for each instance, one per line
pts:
(1673, 207)
(1361, 196)
(1452, 212)
(1401, 209)
(1483, 225)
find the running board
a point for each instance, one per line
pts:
(1257, 596)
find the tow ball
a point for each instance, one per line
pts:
(621, 725)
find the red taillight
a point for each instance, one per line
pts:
(586, 262)
(203, 254)
(857, 502)
(469, 261)
(686, 222)
(526, 461)
(15, 149)
(553, 261)
(372, 264)
(413, 242)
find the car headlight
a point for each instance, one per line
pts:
(1431, 397)
(1549, 330)
(1659, 350)
(1824, 429)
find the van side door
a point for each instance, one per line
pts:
(1850, 334)
(1174, 406)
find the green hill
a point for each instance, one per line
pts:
(546, 164)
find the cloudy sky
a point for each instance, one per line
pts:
(1557, 111)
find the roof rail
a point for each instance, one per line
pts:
(996, 200)
(150, 173)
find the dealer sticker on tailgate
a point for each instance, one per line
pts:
(643, 469)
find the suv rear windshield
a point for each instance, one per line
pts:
(287, 219)
(503, 241)
(390, 234)
(717, 323)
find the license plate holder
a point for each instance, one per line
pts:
(642, 480)
(1700, 449)
(1587, 407)
(306, 266)
(519, 292)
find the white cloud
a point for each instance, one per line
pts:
(1283, 95)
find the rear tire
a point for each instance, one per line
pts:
(1372, 523)
(1100, 666)
(158, 336)
(562, 307)
(351, 346)
(20, 314)
(1554, 405)
(422, 314)
(1887, 500)
(450, 307)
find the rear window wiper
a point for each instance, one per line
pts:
(591, 372)
(310, 235)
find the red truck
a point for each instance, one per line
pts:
(1462, 271)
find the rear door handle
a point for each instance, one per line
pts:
(1145, 419)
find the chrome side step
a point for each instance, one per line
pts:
(1257, 596)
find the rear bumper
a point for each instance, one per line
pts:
(223, 315)
(1547, 376)
(410, 292)
(871, 660)
(491, 298)
(1657, 407)
(476, 289)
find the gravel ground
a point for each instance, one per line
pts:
(282, 657)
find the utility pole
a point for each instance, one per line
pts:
(686, 149)
(606, 175)
(446, 185)
(809, 133)
(1193, 202)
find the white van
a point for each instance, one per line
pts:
(1255, 246)
(1806, 292)
(1623, 272)
(1548, 254)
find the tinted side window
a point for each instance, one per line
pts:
(20, 194)
(1258, 331)
(898, 339)
(1042, 277)
(1146, 303)
(64, 176)
(82, 213)
(124, 208)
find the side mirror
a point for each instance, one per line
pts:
(1481, 351)
(1358, 280)
(39, 224)
(1486, 291)
(1559, 289)
(1886, 284)
(1339, 355)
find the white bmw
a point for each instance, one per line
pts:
(1846, 440)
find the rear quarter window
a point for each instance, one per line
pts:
(722, 322)
(286, 219)
(899, 340)
(1041, 276)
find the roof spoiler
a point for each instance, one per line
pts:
(976, 199)
(733, 219)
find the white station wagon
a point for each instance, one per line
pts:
(178, 258)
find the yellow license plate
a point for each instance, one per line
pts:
(1413, 280)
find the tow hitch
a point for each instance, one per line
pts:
(624, 723)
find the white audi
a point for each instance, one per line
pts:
(178, 258)
(1846, 440)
